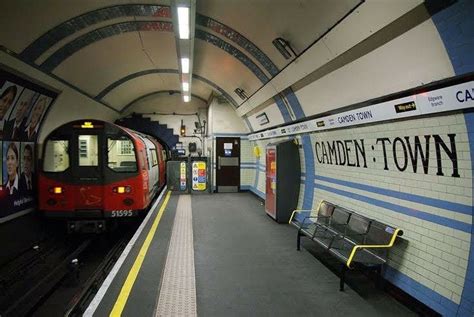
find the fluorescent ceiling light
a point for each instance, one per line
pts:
(185, 65)
(183, 22)
(186, 98)
(185, 86)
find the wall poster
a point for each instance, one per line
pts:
(23, 105)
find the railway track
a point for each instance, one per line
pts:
(60, 275)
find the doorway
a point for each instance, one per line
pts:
(227, 164)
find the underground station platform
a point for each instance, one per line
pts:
(222, 255)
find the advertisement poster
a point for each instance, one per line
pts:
(23, 105)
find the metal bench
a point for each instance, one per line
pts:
(348, 236)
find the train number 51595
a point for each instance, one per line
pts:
(121, 213)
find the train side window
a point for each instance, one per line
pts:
(154, 158)
(88, 150)
(56, 156)
(121, 155)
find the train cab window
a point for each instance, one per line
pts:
(88, 150)
(56, 156)
(121, 155)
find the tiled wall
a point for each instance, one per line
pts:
(433, 210)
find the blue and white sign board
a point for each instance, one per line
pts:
(451, 98)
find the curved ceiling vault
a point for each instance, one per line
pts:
(120, 52)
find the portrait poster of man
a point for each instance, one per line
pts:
(23, 106)
(16, 124)
(27, 175)
(9, 93)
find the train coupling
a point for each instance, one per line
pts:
(86, 226)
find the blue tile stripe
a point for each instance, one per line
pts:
(308, 195)
(124, 79)
(283, 110)
(232, 50)
(260, 56)
(76, 24)
(295, 104)
(239, 39)
(466, 307)
(439, 303)
(129, 77)
(249, 125)
(443, 221)
(455, 25)
(100, 34)
(443, 204)
(254, 190)
(257, 174)
(219, 89)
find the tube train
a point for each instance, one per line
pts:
(93, 171)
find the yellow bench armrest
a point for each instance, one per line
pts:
(371, 246)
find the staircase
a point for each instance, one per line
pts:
(145, 125)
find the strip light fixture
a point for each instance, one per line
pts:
(183, 23)
(185, 65)
(184, 16)
(186, 87)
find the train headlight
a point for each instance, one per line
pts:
(122, 189)
(56, 190)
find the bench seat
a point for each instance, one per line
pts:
(348, 236)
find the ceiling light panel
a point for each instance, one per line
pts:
(183, 22)
(185, 86)
(185, 65)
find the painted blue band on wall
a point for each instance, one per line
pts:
(295, 104)
(78, 23)
(443, 204)
(441, 304)
(283, 110)
(308, 195)
(100, 34)
(455, 26)
(443, 221)
(466, 307)
(247, 122)
(254, 190)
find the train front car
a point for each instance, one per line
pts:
(93, 170)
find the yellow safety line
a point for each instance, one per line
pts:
(373, 246)
(132, 275)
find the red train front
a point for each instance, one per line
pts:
(93, 170)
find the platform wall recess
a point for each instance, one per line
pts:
(415, 175)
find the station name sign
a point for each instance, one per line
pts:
(456, 97)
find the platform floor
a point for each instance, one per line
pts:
(244, 264)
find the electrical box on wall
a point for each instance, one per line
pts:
(283, 174)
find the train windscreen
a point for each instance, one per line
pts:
(121, 154)
(56, 156)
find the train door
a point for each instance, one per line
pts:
(151, 163)
(228, 164)
(87, 169)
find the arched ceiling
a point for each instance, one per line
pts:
(120, 51)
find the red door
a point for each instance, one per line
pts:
(270, 184)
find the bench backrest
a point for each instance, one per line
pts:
(339, 218)
(379, 233)
(357, 228)
(324, 212)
